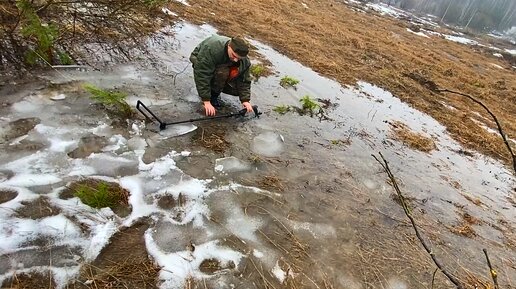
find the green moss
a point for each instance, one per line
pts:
(99, 194)
(287, 81)
(113, 100)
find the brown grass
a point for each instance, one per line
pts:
(378, 50)
(29, 281)
(417, 141)
(7, 195)
(214, 141)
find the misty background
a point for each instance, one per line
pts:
(478, 15)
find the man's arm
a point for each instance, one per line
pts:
(204, 68)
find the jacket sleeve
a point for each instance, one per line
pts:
(244, 91)
(204, 68)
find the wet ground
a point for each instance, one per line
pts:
(284, 201)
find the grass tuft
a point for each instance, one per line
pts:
(287, 81)
(100, 194)
(111, 99)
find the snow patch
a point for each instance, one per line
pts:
(176, 267)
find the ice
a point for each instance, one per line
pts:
(15, 232)
(30, 180)
(25, 106)
(241, 225)
(162, 167)
(395, 283)
(60, 96)
(279, 273)
(59, 145)
(177, 130)
(231, 165)
(136, 143)
(116, 142)
(257, 253)
(268, 144)
(100, 237)
(176, 267)
(136, 199)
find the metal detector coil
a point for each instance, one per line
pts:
(150, 116)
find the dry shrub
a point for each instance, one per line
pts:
(417, 141)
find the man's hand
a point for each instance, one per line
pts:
(248, 106)
(210, 110)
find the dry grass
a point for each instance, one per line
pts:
(271, 183)
(37, 209)
(378, 50)
(29, 281)
(7, 195)
(214, 141)
(417, 141)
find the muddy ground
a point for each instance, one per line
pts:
(330, 218)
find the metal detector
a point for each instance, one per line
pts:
(150, 116)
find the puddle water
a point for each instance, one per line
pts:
(332, 189)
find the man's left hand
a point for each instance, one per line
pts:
(248, 106)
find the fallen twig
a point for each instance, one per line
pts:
(492, 271)
(406, 209)
(500, 130)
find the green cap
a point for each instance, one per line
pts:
(240, 46)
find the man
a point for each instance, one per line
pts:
(221, 64)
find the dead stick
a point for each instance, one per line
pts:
(500, 130)
(494, 275)
(406, 209)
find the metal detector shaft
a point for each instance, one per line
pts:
(240, 113)
(162, 125)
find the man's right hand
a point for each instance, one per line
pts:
(210, 110)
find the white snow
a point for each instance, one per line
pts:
(418, 33)
(304, 5)
(178, 266)
(30, 180)
(168, 12)
(279, 273)
(99, 238)
(184, 2)
(460, 39)
(511, 51)
(497, 55)
(257, 253)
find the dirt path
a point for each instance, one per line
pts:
(347, 45)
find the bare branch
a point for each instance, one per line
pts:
(406, 209)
